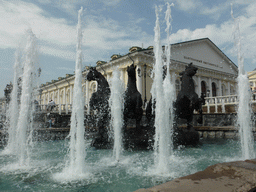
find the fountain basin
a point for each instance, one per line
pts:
(134, 170)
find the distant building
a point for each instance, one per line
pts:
(252, 80)
(216, 74)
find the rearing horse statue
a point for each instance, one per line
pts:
(99, 102)
(132, 98)
(187, 99)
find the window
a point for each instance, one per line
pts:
(203, 87)
(214, 90)
(177, 85)
(232, 90)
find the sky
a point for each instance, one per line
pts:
(113, 26)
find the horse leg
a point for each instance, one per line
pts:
(138, 111)
(190, 126)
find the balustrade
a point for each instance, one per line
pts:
(221, 101)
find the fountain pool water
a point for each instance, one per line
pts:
(132, 172)
(136, 169)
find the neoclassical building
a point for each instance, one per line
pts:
(252, 80)
(216, 74)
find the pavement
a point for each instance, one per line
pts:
(238, 176)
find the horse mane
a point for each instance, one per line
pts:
(101, 80)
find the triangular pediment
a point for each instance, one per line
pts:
(204, 54)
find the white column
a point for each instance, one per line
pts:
(65, 101)
(44, 102)
(71, 94)
(220, 88)
(210, 86)
(48, 97)
(208, 106)
(107, 76)
(199, 86)
(228, 93)
(139, 79)
(87, 96)
(216, 105)
(59, 101)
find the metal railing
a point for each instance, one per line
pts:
(223, 101)
(58, 108)
(216, 102)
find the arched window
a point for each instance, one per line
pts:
(232, 90)
(203, 88)
(214, 90)
(94, 87)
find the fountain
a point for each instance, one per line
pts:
(244, 112)
(76, 166)
(13, 110)
(116, 107)
(163, 123)
(21, 145)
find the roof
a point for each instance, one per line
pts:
(210, 43)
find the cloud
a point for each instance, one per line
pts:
(187, 5)
(19, 16)
(57, 37)
(215, 11)
(58, 52)
(65, 68)
(111, 2)
(221, 34)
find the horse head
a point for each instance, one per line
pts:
(131, 70)
(190, 70)
(93, 74)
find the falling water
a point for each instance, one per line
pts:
(168, 86)
(13, 110)
(162, 129)
(77, 142)
(28, 84)
(75, 165)
(169, 89)
(244, 112)
(116, 106)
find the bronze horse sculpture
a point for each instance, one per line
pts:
(132, 98)
(187, 99)
(99, 102)
(132, 138)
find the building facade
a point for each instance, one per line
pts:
(216, 75)
(252, 81)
